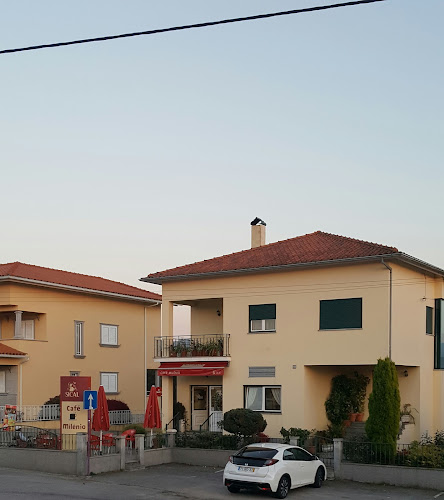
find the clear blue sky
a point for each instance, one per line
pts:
(127, 157)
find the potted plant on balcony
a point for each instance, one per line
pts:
(406, 414)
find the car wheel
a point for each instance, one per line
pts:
(283, 487)
(319, 477)
(233, 489)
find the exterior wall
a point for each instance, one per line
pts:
(412, 347)
(297, 342)
(51, 354)
(204, 317)
(11, 378)
(56, 462)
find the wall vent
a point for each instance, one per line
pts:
(262, 371)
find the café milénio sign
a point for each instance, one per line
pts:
(73, 418)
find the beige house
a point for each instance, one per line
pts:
(271, 326)
(55, 323)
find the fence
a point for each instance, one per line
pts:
(22, 436)
(32, 413)
(429, 455)
(125, 417)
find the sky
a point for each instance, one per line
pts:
(132, 156)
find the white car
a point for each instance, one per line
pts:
(273, 467)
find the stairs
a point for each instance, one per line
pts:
(356, 430)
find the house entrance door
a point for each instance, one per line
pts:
(199, 406)
(216, 413)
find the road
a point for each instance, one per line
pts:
(178, 482)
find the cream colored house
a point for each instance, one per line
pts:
(288, 317)
(55, 323)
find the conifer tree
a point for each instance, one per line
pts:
(382, 425)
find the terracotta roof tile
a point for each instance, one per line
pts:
(10, 351)
(57, 277)
(309, 248)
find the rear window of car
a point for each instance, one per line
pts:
(264, 453)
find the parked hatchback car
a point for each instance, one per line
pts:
(273, 467)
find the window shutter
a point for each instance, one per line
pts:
(263, 311)
(340, 313)
(429, 320)
(28, 329)
(112, 335)
(261, 371)
(3, 382)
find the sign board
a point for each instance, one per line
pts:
(159, 391)
(89, 400)
(73, 418)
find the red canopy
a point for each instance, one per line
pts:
(100, 420)
(152, 414)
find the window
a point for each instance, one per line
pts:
(3, 382)
(108, 335)
(28, 329)
(263, 398)
(429, 320)
(261, 371)
(340, 314)
(78, 340)
(74, 374)
(263, 318)
(109, 382)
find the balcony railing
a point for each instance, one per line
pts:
(32, 413)
(192, 346)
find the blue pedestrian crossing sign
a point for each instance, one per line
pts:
(89, 400)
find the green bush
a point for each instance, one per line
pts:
(338, 405)
(207, 440)
(302, 434)
(243, 422)
(382, 425)
(425, 455)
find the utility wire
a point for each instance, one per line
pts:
(189, 26)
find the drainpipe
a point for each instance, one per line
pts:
(390, 310)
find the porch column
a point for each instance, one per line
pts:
(167, 318)
(18, 325)
(337, 455)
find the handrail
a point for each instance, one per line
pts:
(207, 420)
(211, 344)
(176, 415)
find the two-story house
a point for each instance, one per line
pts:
(288, 316)
(55, 323)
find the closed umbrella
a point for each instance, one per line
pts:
(101, 416)
(152, 414)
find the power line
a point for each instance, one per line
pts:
(189, 26)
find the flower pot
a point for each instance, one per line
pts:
(347, 423)
(405, 419)
(352, 417)
(359, 417)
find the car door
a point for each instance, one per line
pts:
(292, 467)
(306, 464)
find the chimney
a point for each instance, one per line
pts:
(257, 233)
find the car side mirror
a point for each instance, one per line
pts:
(314, 457)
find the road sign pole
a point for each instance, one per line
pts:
(88, 448)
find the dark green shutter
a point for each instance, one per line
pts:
(439, 351)
(429, 320)
(340, 314)
(263, 311)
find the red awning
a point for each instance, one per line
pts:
(196, 369)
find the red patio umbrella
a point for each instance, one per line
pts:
(101, 416)
(152, 414)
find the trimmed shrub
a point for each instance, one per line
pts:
(382, 425)
(140, 429)
(243, 422)
(115, 404)
(338, 406)
(55, 400)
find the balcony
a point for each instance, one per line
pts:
(192, 347)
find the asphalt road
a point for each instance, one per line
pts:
(178, 482)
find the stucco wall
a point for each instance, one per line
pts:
(11, 379)
(57, 462)
(51, 354)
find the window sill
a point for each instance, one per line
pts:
(109, 345)
(338, 329)
(270, 412)
(261, 331)
(112, 393)
(79, 356)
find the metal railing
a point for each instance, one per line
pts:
(33, 413)
(415, 454)
(212, 422)
(23, 436)
(192, 346)
(124, 417)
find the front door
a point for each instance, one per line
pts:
(216, 413)
(199, 406)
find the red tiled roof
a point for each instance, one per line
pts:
(47, 275)
(309, 248)
(10, 351)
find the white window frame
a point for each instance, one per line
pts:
(109, 334)
(28, 329)
(263, 327)
(78, 338)
(263, 388)
(74, 374)
(106, 378)
(3, 382)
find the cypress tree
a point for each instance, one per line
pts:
(382, 425)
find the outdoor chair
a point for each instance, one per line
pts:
(95, 444)
(130, 439)
(107, 442)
